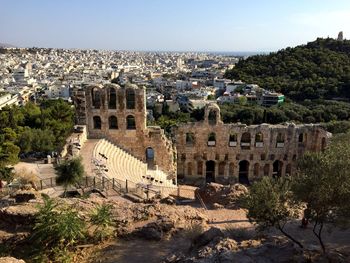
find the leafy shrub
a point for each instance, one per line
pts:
(101, 218)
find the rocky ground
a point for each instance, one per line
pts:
(163, 231)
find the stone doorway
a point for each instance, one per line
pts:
(150, 157)
(210, 171)
(277, 169)
(243, 175)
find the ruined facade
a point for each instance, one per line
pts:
(210, 150)
(203, 151)
(119, 115)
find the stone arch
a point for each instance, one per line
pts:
(113, 122)
(302, 138)
(232, 140)
(245, 140)
(130, 99)
(190, 138)
(210, 171)
(222, 166)
(259, 137)
(112, 98)
(96, 97)
(212, 139)
(256, 169)
(277, 168)
(97, 122)
(243, 175)
(130, 122)
(266, 169)
(212, 113)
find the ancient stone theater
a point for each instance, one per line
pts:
(203, 151)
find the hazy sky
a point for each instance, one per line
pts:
(176, 25)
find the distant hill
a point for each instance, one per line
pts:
(319, 69)
(2, 45)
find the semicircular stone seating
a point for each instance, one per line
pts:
(123, 166)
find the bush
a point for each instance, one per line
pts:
(238, 234)
(101, 218)
(193, 231)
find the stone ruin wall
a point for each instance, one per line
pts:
(135, 141)
(193, 156)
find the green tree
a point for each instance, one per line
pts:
(323, 183)
(269, 204)
(69, 173)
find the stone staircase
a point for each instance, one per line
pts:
(129, 171)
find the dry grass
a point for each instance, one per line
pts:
(25, 177)
(193, 231)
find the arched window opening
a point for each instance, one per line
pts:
(259, 140)
(130, 123)
(243, 175)
(302, 138)
(97, 122)
(212, 139)
(210, 171)
(245, 140)
(112, 100)
(212, 117)
(233, 140)
(130, 99)
(280, 140)
(96, 98)
(190, 139)
(277, 169)
(113, 122)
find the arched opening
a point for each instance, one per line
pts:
(130, 123)
(245, 140)
(256, 169)
(243, 172)
(190, 139)
(288, 169)
(302, 138)
(212, 139)
(130, 99)
(222, 166)
(189, 169)
(266, 169)
(200, 168)
(259, 139)
(97, 122)
(150, 157)
(113, 122)
(277, 169)
(280, 140)
(112, 100)
(323, 144)
(232, 140)
(212, 117)
(210, 171)
(96, 98)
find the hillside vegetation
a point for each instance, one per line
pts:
(317, 70)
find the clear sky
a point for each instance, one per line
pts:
(174, 25)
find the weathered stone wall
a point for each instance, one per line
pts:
(135, 140)
(266, 154)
